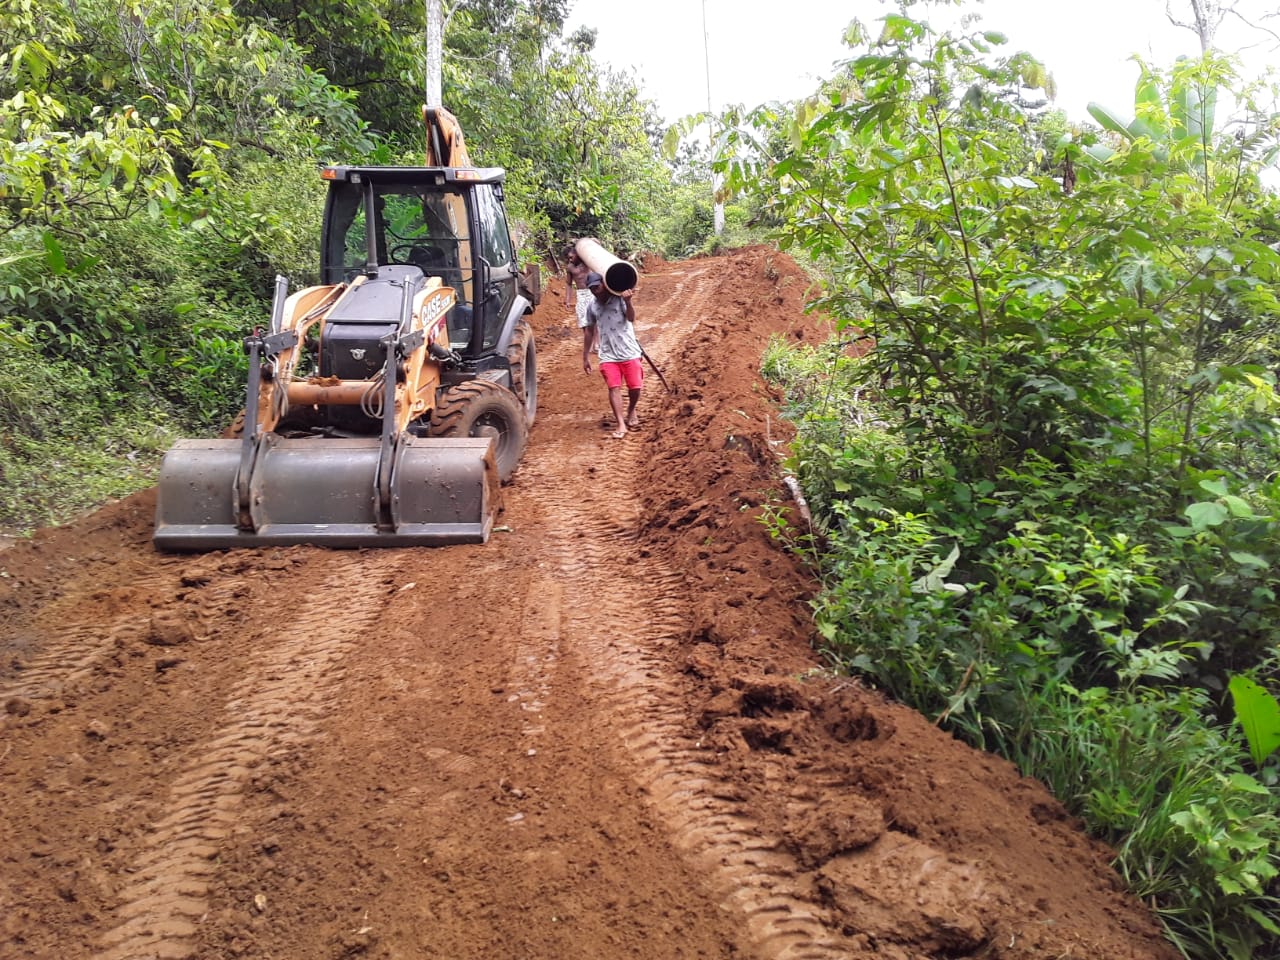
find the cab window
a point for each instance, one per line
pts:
(495, 238)
(355, 243)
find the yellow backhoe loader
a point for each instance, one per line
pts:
(385, 406)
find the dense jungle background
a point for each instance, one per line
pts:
(1039, 451)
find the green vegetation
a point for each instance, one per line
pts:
(1046, 505)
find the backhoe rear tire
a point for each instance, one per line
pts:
(523, 358)
(480, 408)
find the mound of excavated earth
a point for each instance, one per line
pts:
(604, 734)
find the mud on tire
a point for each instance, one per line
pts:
(480, 408)
(523, 357)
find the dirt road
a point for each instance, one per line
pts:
(602, 735)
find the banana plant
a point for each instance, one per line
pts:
(1186, 117)
(1259, 715)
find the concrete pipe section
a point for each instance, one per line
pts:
(618, 274)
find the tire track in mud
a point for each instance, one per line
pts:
(678, 307)
(276, 705)
(537, 652)
(590, 550)
(652, 316)
(69, 657)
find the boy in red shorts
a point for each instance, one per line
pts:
(610, 327)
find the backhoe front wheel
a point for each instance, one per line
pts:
(482, 408)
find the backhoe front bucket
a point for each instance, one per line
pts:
(325, 491)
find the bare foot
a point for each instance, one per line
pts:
(633, 423)
(619, 433)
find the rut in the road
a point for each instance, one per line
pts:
(73, 654)
(592, 548)
(274, 706)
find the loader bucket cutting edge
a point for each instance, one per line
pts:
(323, 491)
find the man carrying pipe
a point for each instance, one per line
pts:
(611, 329)
(618, 275)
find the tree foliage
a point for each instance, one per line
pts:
(577, 137)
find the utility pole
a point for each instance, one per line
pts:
(435, 54)
(718, 208)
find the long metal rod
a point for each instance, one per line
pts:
(371, 228)
(257, 349)
(386, 450)
(706, 59)
(277, 304)
(249, 437)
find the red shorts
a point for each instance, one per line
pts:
(629, 370)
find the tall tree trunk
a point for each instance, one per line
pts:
(435, 53)
(1206, 17)
(718, 208)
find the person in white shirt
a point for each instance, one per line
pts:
(610, 328)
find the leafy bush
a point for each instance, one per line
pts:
(162, 304)
(1039, 618)
(686, 226)
(688, 223)
(1194, 834)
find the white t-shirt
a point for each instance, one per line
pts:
(616, 337)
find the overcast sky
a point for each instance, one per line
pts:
(761, 50)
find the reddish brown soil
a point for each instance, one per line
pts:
(602, 735)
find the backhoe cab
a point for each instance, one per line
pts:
(449, 223)
(384, 406)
